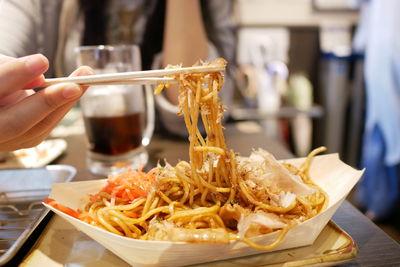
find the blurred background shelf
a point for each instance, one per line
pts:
(285, 112)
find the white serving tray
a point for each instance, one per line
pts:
(327, 171)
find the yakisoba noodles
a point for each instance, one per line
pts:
(215, 197)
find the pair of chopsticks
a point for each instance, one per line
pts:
(135, 77)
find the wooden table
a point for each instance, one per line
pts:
(376, 248)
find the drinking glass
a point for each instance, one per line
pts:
(119, 119)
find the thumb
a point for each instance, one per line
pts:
(33, 109)
(57, 95)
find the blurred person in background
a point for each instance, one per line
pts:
(378, 37)
(168, 32)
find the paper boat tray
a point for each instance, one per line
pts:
(327, 171)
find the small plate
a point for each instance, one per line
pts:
(21, 210)
(34, 157)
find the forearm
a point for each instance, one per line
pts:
(185, 39)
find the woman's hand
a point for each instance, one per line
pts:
(26, 116)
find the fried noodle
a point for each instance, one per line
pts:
(202, 200)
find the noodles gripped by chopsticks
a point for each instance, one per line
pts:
(201, 200)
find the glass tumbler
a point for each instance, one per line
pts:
(119, 119)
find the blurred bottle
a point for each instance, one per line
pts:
(300, 96)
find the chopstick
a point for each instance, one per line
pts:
(137, 81)
(135, 77)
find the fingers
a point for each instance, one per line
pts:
(35, 83)
(31, 110)
(38, 106)
(45, 126)
(15, 74)
(81, 71)
(32, 143)
(14, 98)
(38, 132)
(42, 128)
(29, 121)
(19, 143)
(4, 59)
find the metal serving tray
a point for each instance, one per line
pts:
(21, 211)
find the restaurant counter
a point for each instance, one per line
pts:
(61, 245)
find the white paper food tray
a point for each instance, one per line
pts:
(327, 171)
